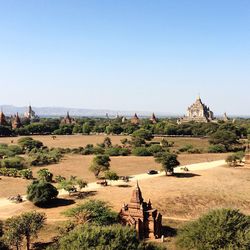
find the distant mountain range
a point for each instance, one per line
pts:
(61, 111)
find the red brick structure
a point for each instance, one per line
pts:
(141, 216)
(153, 119)
(16, 122)
(3, 121)
(68, 120)
(135, 120)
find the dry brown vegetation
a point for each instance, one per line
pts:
(67, 141)
(77, 165)
(74, 141)
(183, 197)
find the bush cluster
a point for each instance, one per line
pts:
(12, 172)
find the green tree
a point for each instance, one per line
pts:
(143, 134)
(13, 162)
(111, 175)
(225, 138)
(45, 175)
(141, 151)
(81, 183)
(99, 164)
(28, 143)
(87, 236)
(219, 229)
(25, 226)
(26, 173)
(2, 244)
(41, 193)
(99, 212)
(168, 161)
(86, 128)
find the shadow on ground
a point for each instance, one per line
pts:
(41, 245)
(60, 202)
(185, 175)
(169, 231)
(124, 185)
(83, 195)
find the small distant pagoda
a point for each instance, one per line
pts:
(3, 121)
(153, 119)
(16, 122)
(68, 120)
(140, 215)
(30, 114)
(225, 117)
(135, 120)
(124, 119)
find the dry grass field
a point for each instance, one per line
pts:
(200, 143)
(77, 165)
(177, 198)
(67, 141)
(73, 141)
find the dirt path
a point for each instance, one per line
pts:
(7, 207)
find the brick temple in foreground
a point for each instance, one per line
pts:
(139, 214)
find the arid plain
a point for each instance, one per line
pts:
(179, 199)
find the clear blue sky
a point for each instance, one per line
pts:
(128, 55)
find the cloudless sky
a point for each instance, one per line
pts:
(152, 55)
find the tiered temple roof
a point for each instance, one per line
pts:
(68, 119)
(135, 120)
(3, 121)
(30, 114)
(141, 216)
(198, 112)
(153, 118)
(16, 122)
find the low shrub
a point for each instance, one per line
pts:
(218, 148)
(141, 151)
(117, 151)
(28, 143)
(44, 157)
(13, 162)
(235, 159)
(12, 172)
(194, 151)
(186, 148)
(45, 175)
(155, 148)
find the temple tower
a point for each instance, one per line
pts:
(135, 120)
(153, 118)
(198, 112)
(3, 121)
(16, 122)
(30, 114)
(141, 216)
(68, 119)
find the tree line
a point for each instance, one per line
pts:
(241, 127)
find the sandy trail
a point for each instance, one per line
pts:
(7, 205)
